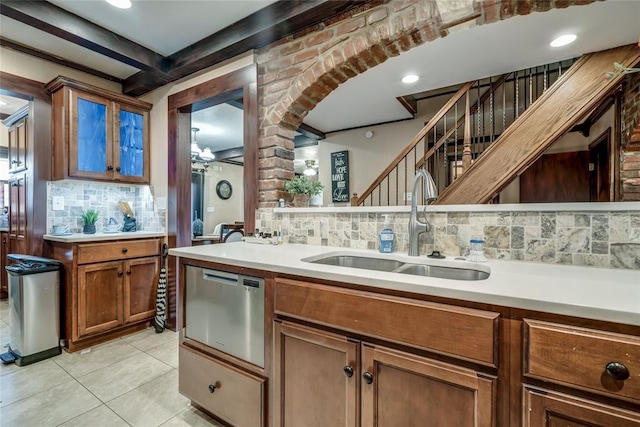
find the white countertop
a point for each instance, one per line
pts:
(81, 237)
(589, 292)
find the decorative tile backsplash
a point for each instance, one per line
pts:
(79, 196)
(599, 238)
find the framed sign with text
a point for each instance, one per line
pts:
(340, 176)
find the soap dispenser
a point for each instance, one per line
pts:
(386, 238)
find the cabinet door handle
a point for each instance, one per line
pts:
(367, 377)
(125, 250)
(348, 371)
(109, 168)
(212, 388)
(617, 370)
(15, 184)
(120, 273)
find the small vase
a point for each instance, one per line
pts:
(89, 229)
(197, 227)
(301, 200)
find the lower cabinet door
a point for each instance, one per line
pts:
(141, 281)
(231, 394)
(100, 297)
(543, 408)
(318, 378)
(402, 389)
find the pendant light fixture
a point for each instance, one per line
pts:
(310, 171)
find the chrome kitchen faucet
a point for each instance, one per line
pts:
(417, 227)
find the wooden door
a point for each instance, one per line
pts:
(18, 214)
(140, 284)
(555, 178)
(90, 136)
(17, 146)
(401, 389)
(317, 384)
(4, 250)
(100, 297)
(543, 408)
(599, 168)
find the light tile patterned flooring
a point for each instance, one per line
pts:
(131, 381)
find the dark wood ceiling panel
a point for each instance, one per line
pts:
(60, 23)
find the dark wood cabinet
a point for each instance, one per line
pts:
(318, 380)
(109, 287)
(18, 187)
(17, 143)
(545, 408)
(100, 297)
(4, 250)
(329, 379)
(402, 389)
(98, 134)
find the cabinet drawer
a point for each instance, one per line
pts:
(463, 332)
(578, 357)
(123, 249)
(238, 397)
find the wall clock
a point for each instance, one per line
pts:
(224, 189)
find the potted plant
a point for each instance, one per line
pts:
(302, 188)
(89, 218)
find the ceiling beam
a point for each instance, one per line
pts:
(263, 27)
(58, 22)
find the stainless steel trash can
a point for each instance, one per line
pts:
(34, 308)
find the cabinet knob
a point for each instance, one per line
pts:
(118, 169)
(212, 388)
(617, 370)
(109, 168)
(367, 377)
(348, 371)
(128, 272)
(125, 250)
(120, 273)
(14, 184)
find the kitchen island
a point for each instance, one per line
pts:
(530, 342)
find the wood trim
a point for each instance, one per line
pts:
(566, 102)
(61, 81)
(22, 87)
(354, 311)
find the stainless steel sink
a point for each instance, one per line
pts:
(459, 271)
(377, 264)
(443, 272)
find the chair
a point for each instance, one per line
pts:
(235, 235)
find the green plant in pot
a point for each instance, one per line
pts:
(89, 218)
(302, 188)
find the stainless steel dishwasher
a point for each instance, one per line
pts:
(226, 311)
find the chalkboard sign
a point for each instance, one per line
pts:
(340, 176)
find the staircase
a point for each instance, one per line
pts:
(491, 130)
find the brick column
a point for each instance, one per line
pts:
(630, 153)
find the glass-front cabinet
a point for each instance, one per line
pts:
(106, 137)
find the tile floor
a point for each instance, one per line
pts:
(131, 381)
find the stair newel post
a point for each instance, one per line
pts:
(466, 148)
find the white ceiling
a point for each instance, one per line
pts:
(11, 104)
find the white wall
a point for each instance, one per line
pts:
(227, 211)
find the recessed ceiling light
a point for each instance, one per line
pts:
(563, 40)
(2, 102)
(410, 78)
(121, 4)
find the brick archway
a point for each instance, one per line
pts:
(295, 74)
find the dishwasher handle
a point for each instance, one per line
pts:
(220, 277)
